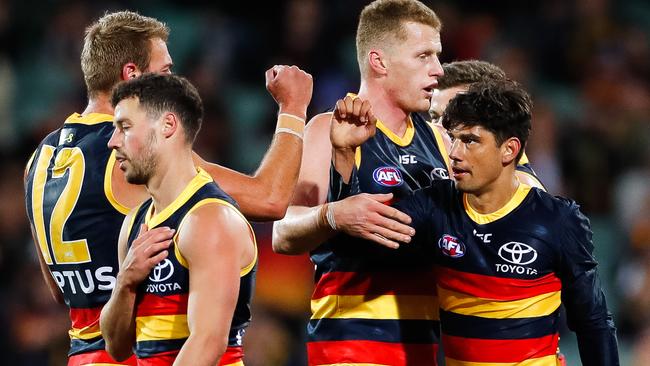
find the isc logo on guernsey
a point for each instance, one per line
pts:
(387, 176)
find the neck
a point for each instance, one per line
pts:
(384, 106)
(494, 197)
(99, 103)
(174, 173)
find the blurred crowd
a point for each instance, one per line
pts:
(585, 62)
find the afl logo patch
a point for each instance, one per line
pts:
(451, 246)
(388, 176)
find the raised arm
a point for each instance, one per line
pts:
(582, 294)
(217, 244)
(117, 319)
(266, 194)
(306, 224)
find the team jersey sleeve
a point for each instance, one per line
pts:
(420, 206)
(582, 294)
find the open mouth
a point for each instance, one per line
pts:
(459, 173)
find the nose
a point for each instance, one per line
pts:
(454, 150)
(436, 68)
(115, 140)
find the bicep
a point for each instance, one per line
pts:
(313, 180)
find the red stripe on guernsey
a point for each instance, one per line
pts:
(162, 359)
(159, 305)
(232, 355)
(496, 288)
(82, 318)
(499, 350)
(395, 354)
(98, 357)
(376, 283)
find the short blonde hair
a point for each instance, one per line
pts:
(383, 21)
(113, 41)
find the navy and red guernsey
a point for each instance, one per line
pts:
(76, 222)
(161, 309)
(371, 305)
(502, 277)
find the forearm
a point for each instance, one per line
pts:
(302, 230)
(598, 347)
(117, 322)
(343, 162)
(201, 350)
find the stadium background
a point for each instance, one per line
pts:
(586, 63)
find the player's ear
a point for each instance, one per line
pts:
(130, 71)
(509, 150)
(377, 61)
(170, 124)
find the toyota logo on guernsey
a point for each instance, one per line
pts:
(451, 246)
(387, 176)
(162, 271)
(517, 253)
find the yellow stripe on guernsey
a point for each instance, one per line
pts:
(161, 327)
(401, 141)
(201, 179)
(89, 332)
(441, 144)
(380, 307)
(238, 363)
(179, 256)
(524, 159)
(515, 201)
(536, 306)
(541, 361)
(89, 119)
(108, 186)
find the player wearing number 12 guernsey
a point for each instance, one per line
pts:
(77, 197)
(69, 188)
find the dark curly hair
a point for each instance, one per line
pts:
(500, 106)
(159, 93)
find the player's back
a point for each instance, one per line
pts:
(76, 219)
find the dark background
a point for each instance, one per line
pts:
(586, 64)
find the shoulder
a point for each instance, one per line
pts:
(212, 217)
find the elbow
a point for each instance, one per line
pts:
(264, 209)
(276, 209)
(117, 353)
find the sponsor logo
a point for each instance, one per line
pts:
(439, 173)
(511, 268)
(483, 237)
(162, 271)
(451, 246)
(517, 253)
(407, 159)
(387, 176)
(85, 281)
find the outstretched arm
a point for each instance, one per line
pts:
(266, 194)
(217, 244)
(117, 320)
